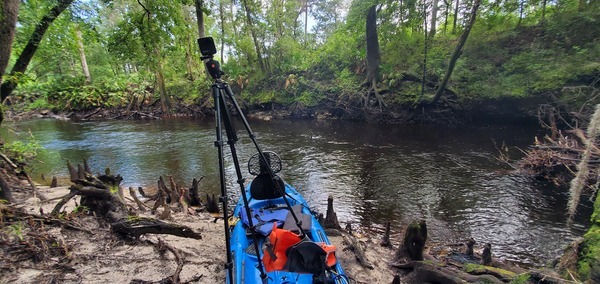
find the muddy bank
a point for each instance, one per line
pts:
(492, 111)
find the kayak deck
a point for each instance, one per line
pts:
(265, 213)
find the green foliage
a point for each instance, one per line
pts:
(589, 250)
(481, 269)
(521, 279)
(22, 151)
(589, 254)
(516, 49)
(16, 230)
(81, 209)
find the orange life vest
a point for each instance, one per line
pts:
(275, 256)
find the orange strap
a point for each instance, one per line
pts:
(330, 259)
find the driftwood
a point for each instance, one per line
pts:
(100, 194)
(144, 194)
(134, 227)
(353, 245)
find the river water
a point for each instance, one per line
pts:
(376, 173)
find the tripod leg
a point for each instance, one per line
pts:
(229, 93)
(219, 144)
(231, 140)
(229, 127)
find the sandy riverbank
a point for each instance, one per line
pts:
(97, 256)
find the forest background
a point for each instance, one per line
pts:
(311, 57)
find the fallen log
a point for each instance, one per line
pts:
(134, 227)
(435, 272)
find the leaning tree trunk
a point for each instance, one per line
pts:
(373, 56)
(31, 47)
(9, 10)
(457, 52)
(84, 65)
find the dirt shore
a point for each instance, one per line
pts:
(95, 255)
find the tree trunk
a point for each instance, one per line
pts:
(31, 47)
(373, 56)
(544, 10)
(457, 52)
(9, 10)
(447, 5)
(254, 37)
(305, 21)
(200, 17)
(84, 65)
(425, 39)
(165, 103)
(188, 43)
(434, 11)
(222, 19)
(455, 16)
(521, 11)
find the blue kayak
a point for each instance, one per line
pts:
(271, 214)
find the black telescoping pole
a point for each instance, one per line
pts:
(231, 140)
(219, 144)
(263, 158)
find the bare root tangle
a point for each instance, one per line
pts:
(101, 195)
(175, 198)
(25, 237)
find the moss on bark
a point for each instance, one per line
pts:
(588, 266)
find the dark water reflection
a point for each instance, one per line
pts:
(448, 176)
